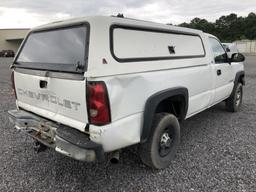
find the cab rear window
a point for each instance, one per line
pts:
(58, 49)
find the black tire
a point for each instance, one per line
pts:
(234, 102)
(158, 151)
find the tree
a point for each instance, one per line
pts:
(227, 28)
(250, 25)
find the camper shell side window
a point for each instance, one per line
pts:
(131, 44)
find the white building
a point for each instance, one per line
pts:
(10, 39)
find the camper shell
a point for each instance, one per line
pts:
(97, 84)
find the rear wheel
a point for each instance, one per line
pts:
(233, 103)
(160, 148)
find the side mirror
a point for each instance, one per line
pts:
(227, 50)
(237, 57)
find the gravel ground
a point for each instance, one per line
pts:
(217, 153)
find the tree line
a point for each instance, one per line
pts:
(227, 28)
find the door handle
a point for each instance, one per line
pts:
(218, 72)
(43, 84)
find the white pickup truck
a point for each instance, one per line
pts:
(93, 85)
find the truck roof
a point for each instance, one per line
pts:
(113, 20)
(210, 35)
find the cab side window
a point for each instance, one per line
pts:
(220, 56)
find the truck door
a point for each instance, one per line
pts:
(222, 71)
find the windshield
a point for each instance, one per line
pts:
(65, 46)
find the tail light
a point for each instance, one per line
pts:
(98, 103)
(13, 84)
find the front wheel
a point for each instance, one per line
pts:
(161, 146)
(233, 103)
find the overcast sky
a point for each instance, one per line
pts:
(30, 13)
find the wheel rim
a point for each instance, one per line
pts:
(238, 96)
(166, 141)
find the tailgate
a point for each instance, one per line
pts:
(61, 100)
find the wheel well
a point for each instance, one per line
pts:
(241, 79)
(173, 100)
(174, 105)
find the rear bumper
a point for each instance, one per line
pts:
(63, 139)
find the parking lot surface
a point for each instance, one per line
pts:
(217, 153)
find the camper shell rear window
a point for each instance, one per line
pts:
(58, 49)
(132, 43)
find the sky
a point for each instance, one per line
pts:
(31, 13)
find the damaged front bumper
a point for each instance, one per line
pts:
(65, 140)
